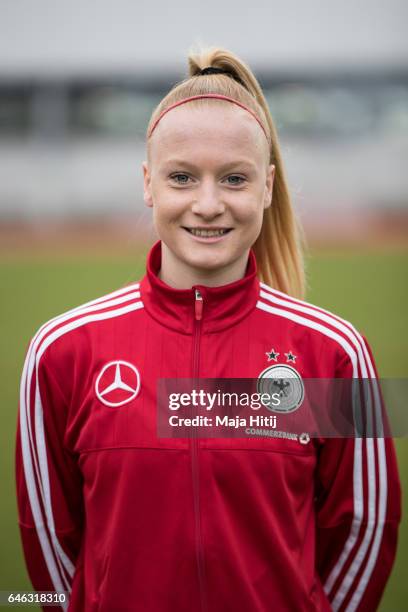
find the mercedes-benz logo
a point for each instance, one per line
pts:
(118, 383)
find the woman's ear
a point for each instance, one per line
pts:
(147, 191)
(270, 176)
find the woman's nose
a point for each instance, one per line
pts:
(208, 202)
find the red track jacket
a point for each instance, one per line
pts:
(128, 521)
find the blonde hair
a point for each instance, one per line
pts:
(279, 246)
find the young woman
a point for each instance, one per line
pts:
(127, 520)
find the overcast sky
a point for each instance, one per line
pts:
(101, 35)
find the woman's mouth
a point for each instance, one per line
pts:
(207, 233)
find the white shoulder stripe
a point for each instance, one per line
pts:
(363, 358)
(292, 300)
(40, 467)
(328, 317)
(91, 318)
(130, 290)
(327, 331)
(344, 326)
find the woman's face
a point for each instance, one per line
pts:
(208, 180)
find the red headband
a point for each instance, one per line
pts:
(209, 95)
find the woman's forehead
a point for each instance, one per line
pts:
(213, 124)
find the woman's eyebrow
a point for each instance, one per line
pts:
(188, 164)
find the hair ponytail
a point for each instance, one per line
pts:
(279, 246)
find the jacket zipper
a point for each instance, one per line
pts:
(198, 313)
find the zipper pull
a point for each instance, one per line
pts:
(198, 305)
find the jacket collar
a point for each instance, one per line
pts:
(222, 306)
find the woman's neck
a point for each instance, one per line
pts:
(180, 275)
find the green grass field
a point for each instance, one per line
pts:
(370, 289)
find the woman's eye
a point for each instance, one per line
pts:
(182, 179)
(234, 179)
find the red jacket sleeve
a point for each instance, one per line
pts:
(358, 505)
(48, 479)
